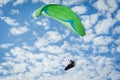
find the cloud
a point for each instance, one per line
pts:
(41, 42)
(71, 2)
(52, 49)
(105, 67)
(117, 41)
(112, 5)
(21, 64)
(26, 47)
(53, 36)
(87, 70)
(89, 36)
(105, 8)
(103, 26)
(39, 23)
(118, 49)
(10, 21)
(66, 33)
(3, 2)
(102, 40)
(16, 51)
(101, 6)
(100, 49)
(17, 2)
(44, 23)
(89, 21)
(47, 57)
(79, 9)
(115, 75)
(63, 2)
(48, 1)
(116, 30)
(49, 37)
(14, 11)
(118, 15)
(19, 68)
(27, 65)
(19, 30)
(6, 45)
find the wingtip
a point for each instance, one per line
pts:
(34, 15)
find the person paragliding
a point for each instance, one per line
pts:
(70, 65)
(65, 16)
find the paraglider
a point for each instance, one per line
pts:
(70, 65)
(63, 15)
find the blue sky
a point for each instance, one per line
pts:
(39, 49)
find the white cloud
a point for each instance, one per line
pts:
(102, 49)
(49, 37)
(70, 2)
(104, 25)
(115, 75)
(105, 8)
(10, 77)
(44, 23)
(66, 46)
(53, 36)
(117, 41)
(39, 23)
(34, 33)
(63, 2)
(23, 60)
(26, 47)
(49, 1)
(17, 2)
(50, 67)
(86, 70)
(112, 5)
(102, 40)
(3, 2)
(89, 36)
(14, 11)
(6, 45)
(101, 6)
(18, 68)
(118, 49)
(84, 47)
(41, 42)
(113, 50)
(79, 9)
(118, 15)
(89, 21)
(10, 21)
(66, 33)
(19, 30)
(53, 49)
(116, 30)
(45, 59)
(34, 72)
(17, 51)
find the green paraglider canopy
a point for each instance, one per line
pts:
(63, 15)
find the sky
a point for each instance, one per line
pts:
(39, 49)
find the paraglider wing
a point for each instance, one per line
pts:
(63, 15)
